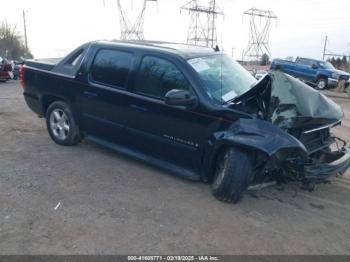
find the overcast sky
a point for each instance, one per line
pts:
(55, 27)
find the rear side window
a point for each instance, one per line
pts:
(111, 67)
(158, 76)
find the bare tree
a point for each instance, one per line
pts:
(11, 43)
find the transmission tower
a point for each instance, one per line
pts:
(259, 34)
(132, 31)
(202, 29)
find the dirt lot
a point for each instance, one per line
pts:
(111, 204)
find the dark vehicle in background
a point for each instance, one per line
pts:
(189, 110)
(322, 74)
(5, 70)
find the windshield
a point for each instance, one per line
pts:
(224, 79)
(326, 65)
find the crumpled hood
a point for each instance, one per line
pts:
(294, 104)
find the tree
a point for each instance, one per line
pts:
(265, 60)
(338, 62)
(11, 43)
(344, 62)
(333, 61)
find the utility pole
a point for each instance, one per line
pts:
(213, 26)
(25, 30)
(325, 48)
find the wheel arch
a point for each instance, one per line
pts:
(254, 135)
(48, 99)
(210, 163)
(321, 76)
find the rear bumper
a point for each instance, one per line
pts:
(4, 75)
(333, 164)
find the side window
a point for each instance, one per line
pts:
(111, 67)
(158, 76)
(75, 59)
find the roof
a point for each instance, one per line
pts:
(312, 59)
(184, 50)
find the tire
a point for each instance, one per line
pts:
(233, 173)
(322, 84)
(61, 124)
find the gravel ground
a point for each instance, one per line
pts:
(88, 200)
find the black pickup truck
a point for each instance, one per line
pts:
(192, 111)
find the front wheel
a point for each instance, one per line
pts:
(232, 175)
(61, 124)
(322, 84)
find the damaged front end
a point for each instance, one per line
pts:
(292, 129)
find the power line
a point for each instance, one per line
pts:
(326, 52)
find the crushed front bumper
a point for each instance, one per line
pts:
(332, 164)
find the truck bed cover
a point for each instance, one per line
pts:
(44, 64)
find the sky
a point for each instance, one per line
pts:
(55, 27)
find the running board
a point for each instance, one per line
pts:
(171, 168)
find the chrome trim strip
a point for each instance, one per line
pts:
(322, 127)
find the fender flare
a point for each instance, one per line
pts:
(60, 98)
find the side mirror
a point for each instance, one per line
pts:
(314, 66)
(177, 97)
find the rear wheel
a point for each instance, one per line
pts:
(232, 175)
(61, 124)
(321, 83)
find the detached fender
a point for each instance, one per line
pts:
(257, 135)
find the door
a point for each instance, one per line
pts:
(174, 134)
(103, 100)
(304, 69)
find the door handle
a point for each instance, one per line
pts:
(139, 108)
(90, 94)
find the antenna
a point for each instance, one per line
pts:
(221, 78)
(133, 31)
(259, 35)
(202, 29)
